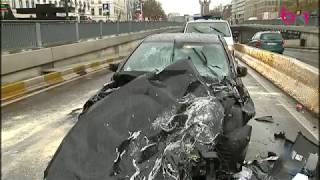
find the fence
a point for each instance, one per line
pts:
(313, 21)
(33, 35)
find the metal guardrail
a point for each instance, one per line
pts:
(16, 35)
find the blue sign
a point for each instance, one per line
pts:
(106, 6)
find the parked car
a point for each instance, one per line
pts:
(268, 40)
(176, 108)
(217, 26)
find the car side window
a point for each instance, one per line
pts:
(258, 36)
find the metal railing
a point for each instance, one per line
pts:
(313, 21)
(17, 35)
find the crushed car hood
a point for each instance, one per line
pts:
(151, 128)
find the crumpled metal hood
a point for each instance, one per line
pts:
(150, 128)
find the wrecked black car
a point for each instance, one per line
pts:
(175, 109)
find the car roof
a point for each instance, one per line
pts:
(207, 21)
(263, 32)
(183, 37)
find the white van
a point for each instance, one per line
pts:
(220, 27)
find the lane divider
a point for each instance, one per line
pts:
(17, 89)
(299, 80)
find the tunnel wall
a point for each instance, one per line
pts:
(24, 65)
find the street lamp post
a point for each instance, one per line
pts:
(66, 5)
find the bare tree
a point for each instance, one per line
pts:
(152, 9)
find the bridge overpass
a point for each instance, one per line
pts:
(34, 123)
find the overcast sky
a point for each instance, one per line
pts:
(188, 6)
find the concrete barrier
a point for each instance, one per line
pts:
(20, 88)
(292, 43)
(24, 65)
(299, 80)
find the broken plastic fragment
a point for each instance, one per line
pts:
(265, 119)
(137, 170)
(156, 168)
(147, 152)
(271, 154)
(245, 174)
(300, 177)
(296, 156)
(280, 135)
(272, 158)
(312, 162)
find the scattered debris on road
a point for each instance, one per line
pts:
(298, 160)
(299, 107)
(280, 135)
(268, 119)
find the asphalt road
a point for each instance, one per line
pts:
(33, 128)
(310, 57)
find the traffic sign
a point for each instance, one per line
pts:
(106, 6)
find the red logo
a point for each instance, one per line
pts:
(289, 18)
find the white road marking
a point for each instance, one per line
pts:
(298, 117)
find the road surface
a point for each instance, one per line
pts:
(310, 57)
(33, 128)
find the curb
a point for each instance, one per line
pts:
(20, 88)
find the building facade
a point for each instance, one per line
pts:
(251, 9)
(226, 13)
(84, 9)
(264, 9)
(267, 9)
(311, 6)
(116, 11)
(237, 11)
(130, 8)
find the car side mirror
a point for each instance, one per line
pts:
(114, 67)
(242, 71)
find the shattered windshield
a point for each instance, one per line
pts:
(209, 58)
(219, 28)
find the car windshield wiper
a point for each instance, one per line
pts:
(217, 30)
(215, 66)
(203, 59)
(273, 39)
(196, 29)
